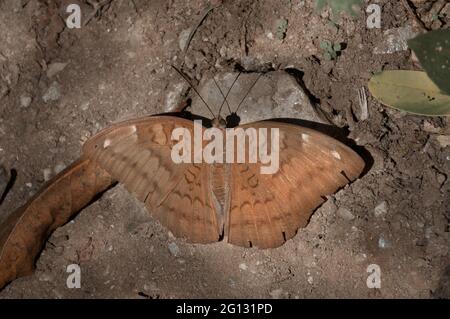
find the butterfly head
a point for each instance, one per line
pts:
(219, 122)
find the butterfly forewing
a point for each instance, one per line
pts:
(138, 154)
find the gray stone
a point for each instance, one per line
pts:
(383, 243)
(174, 250)
(275, 95)
(25, 100)
(443, 140)
(47, 172)
(52, 94)
(395, 40)
(381, 209)
(55, 68)
(45, 277)
(344, 213)
(183, 38)
(243, 266)
(59, 168)
(4, 178)
(277, 293)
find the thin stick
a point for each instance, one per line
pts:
(195, 90)
(362, 97)
(191, 34)
(414, 16)
(97, 7)
(248, 92)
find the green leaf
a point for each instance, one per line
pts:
(338, 6)
(337, 47)
(282, 25)
(433, 51)
(321, 3)
(327, 56)
(410, 91)
(325, 45)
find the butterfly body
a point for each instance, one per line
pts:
(220, 188)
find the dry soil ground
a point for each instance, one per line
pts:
(118, 66)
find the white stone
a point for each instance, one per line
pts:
(55, 68)
(276, 294)
(381, 209)
(345, 213)
(52, 94)
(25, 101)
(47, 174)
(183, 38)
(395, 40)
(243, 266)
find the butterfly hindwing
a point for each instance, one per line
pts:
(267, 209)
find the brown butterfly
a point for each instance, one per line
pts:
(204, 202)
(201, 202)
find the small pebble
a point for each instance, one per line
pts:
(441, 178)
(59, 168)
(25, 101)
(394, 40)
(243, 266)
(381, 209)
(383, 243)
(443, 140)
(55, 68)
(52, 94)
(59, 250)
(45, 277)
(47, 174)
(429, 127)
(3, 179)
(174, 250)
(276, 294)
(345, 213)
(183, 38)
(428, 232)
(84, 106)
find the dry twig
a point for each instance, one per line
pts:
(97, 7)
(200, 21)
(411, 12)
(362, 97)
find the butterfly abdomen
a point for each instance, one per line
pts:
(219, 181)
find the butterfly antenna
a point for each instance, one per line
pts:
(195, 90)
(226, 96)
(248, 92)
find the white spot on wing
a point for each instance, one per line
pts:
(336, 155)
(123, 133)
(106, 143)
(305, 137)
